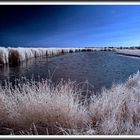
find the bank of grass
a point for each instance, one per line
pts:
(41, 108)
(14, 56)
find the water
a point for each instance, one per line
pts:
(100, 69)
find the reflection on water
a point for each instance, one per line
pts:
(100, 69)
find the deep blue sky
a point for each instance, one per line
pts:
(70, 25)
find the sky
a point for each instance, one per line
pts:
(69, 25)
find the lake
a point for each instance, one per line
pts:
(100, 69)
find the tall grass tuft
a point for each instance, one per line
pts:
(14, 57)
(117, 111)
(44, 105)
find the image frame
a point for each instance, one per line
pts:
(50, 2)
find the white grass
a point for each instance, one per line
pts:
(117, 111)
(17, 55)
(44, 105)
(42, 108)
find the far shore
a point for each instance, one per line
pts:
(14, 56)
(129, 52)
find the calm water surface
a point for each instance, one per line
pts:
(100, 69)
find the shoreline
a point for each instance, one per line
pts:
(125, 54)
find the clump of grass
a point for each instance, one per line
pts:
(14, 57)
(42, 108)
(117, 111)
(1, 58)
(44, 105)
